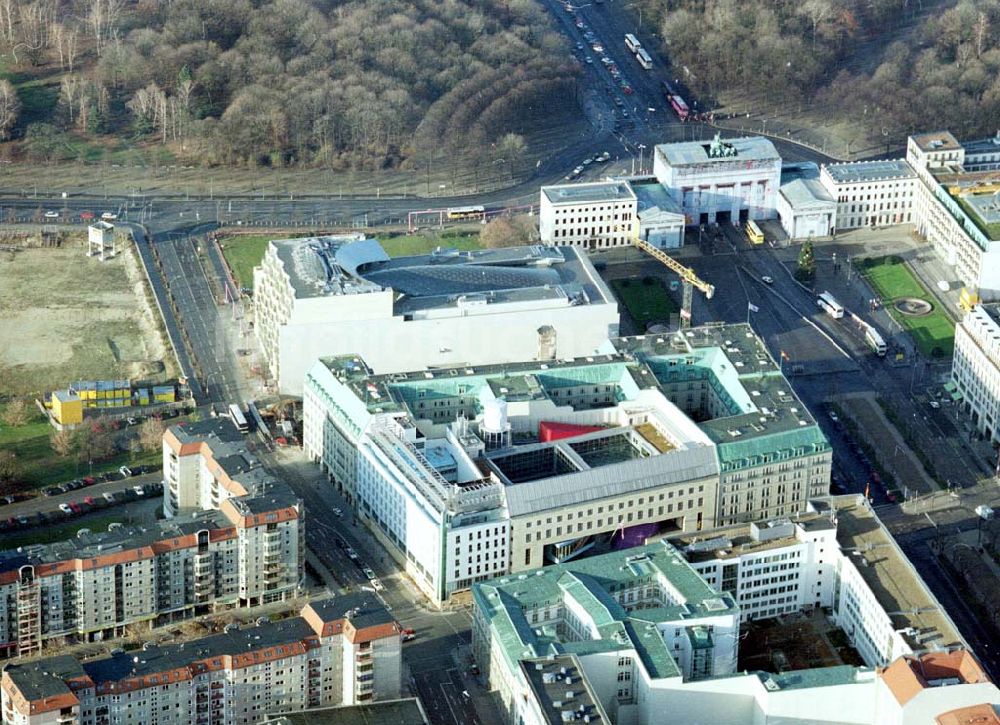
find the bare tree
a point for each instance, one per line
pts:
(17, 412)
(103, 17)
(34, 28)
(69, 94)
(63, 442)
(151, 434)
(10, 107)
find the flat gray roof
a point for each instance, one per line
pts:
(696, 153)
(862, 171)
(588, 193)
(652, 197)
(800, 185)
(983, 145)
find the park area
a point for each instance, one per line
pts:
(65, 317)
(934, 333)
(244, 252)
(646, 300)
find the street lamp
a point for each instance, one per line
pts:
(641, 147)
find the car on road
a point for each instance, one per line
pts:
(578, 170)
(890, 497)
(377, 585)
(337, 512)
(619, 102)
(407, 634)
(935, 404)
(767, 280)
(64, 507)
(597, 48)
(109, 216)
(580, 24)
(627, 89)
(587, 161)
(86, 216)
(351, 554)
(51, 215)
(833, 416)
(624, 114)
(580, 46)
(368, 573)
(589, 60)
(607, 61)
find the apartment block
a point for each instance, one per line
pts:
(471, 472)
(598, 215)
(246, 549)
(339, 651)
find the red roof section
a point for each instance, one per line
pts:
(551, 431)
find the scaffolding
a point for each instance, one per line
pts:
(29, 605)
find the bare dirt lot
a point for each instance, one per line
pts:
(65, 317)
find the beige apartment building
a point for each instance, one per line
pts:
(339, 651)
(246, 549)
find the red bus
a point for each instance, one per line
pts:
(680, 107)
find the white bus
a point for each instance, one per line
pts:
(632, 43)
(644, 60)
(875, 341)
(830, 305)
(236, 415)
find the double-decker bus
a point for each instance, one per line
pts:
(644, 60)
(830, 305)
(466, 212)
(236, 415)
(875, 341)
(632, 43)
(754, 234)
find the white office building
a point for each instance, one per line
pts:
(635, 637)
(871, 193)
(470, 472)
(326, 296)
(956, 206)
(729, 180)
(595, 215)
(825, 559)
(975, 369)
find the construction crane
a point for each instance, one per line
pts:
(689, 279)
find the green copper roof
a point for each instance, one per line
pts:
(590, 585)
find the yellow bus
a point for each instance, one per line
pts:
(754, 234)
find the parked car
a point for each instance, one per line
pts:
(7, 500)
(139, 490)
(125, 471)
(51, 215)
(64, 507)
(368, 573)
(109, 497)
(338, 513)
(51, 491)
(767, 280)
(408, 634)
(109, 217)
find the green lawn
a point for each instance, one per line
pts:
(646, 300)
(243, 253)
(41, 467)
(891, 278)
